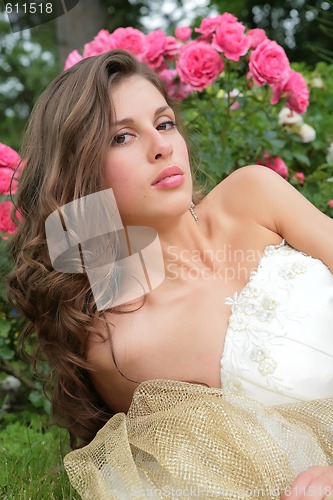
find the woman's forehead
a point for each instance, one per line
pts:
(136, 93)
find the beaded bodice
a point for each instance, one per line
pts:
(279, 340)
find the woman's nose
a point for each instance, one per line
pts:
(161, 147)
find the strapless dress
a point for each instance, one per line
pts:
(279, 341)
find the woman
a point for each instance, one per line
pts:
(108, 123)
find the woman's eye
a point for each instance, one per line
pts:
(120, 138)
(124, 137)
(168, 125)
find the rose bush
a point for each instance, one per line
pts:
(10, 321)
(198, 63)
(242, 100)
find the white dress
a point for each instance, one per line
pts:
(279, 340)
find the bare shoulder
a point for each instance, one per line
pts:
(245, 178)
(259, 193)
(238, 193)
(249, 172)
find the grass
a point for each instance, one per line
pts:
(31, 462)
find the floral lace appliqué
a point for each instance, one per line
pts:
(266, 364)
(289, 272)
(266, 308)
(256, 321)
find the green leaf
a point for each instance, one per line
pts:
(6, 353)
(37, 399)
(302, 158)
(5, 327)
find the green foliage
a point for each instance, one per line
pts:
(30, 396)
(25, 70)
(122, 13)
(10, 322)
(325, 23)
(318, 186)
(32, 461)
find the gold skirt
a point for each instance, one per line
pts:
(186, 440)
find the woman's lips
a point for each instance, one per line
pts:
(167, 172)
(170, 182)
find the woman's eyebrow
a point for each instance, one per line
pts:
(130, 120)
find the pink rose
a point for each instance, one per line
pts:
(172, 48)
(230, 39)
(6, 223)
(199, 65)
(99, 45)
(209, 24)
(131, 40)
(183, 33)
(275, 163)
(256, 36)
(269, 64)
(330, 203)
(299, 176)
(8, 157)
(73, 58)
(156, 41)
(6, 175)
(227, 17)
(296, 92)
(176, 89)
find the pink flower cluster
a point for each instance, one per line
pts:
(9, 161)
(187, 65)
(269, 65)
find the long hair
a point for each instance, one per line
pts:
(63, 149)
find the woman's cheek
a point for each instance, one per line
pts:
(115, 174)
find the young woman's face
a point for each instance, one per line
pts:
(144, 140)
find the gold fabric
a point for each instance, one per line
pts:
(185, 440)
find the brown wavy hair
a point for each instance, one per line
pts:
(63, 148)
